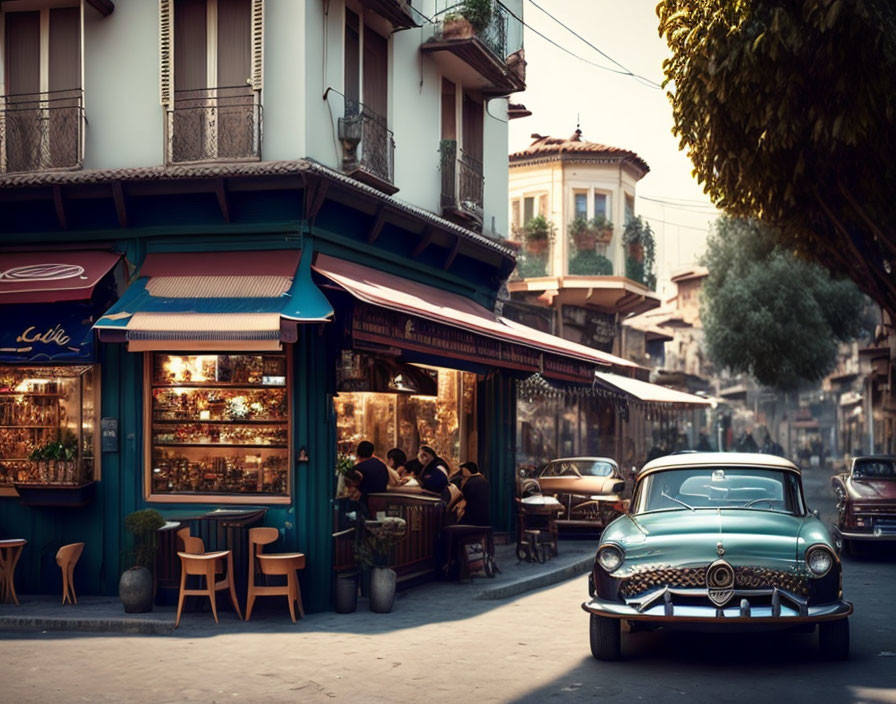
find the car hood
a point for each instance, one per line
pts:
(872, 489)
(586, 486)
(688, 538)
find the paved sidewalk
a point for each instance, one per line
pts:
(105, 614)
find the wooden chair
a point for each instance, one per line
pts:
(195, 561)
(10, 552)
(67, 557)
(284, 564)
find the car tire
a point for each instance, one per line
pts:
(606, 638)
(833, 639)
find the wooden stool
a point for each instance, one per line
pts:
(67, 557)
(10, 552)
(203, 565)
(284, 564)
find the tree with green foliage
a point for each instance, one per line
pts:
(769, 314)
(788, 113)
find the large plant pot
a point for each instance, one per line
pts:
(346, 592)
(135, 590)
(382, 589)
(537, 246)
(457, 28)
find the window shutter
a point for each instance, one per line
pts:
(166, 51)
(257, 42)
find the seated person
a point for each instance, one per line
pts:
(476, 499)
(413, 468)
(395, 463)
(354, 500)
(374, 474)
(434, 476)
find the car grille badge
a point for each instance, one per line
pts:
(720, 582)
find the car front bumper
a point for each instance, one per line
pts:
(660, 606)
(877, 534)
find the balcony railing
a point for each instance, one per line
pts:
(368, 146)
(462, 182)
(41, 131)
(214, 124)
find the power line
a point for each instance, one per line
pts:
(625, 71)
(701, 210)
(567, 51)
(677, 224)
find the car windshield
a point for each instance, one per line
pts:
(579, 468)
(874, 469)
(716, 487)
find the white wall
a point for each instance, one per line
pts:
(283, 95)
(121, 87)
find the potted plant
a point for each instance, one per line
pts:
(472, 17)
(537, 235)
(639, 243)
(135, 588)
(373, 549)
(588, 234)
(344, 464)
(55, 461)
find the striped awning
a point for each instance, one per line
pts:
(216, 301)
(650, 393)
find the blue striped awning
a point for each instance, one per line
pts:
(216, 301)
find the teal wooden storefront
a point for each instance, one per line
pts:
(266, 206)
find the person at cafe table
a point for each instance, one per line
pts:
(374, 475)
(470, 501)
(434, 475)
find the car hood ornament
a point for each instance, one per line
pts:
(720, 548)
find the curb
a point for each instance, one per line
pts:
(95, 625)
(526, 584)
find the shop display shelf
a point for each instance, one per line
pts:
(58, 495)
(180, 421)
(220, 444)
(27, 427)
(216, 385)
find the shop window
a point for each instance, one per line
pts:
(218, 427)
(446, 421)
(48, 425)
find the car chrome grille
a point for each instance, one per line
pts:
(683, 577)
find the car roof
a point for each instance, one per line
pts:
(718, 459)
(583, 459)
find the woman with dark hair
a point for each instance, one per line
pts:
(434, 476)
(396, 460)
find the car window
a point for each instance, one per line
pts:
(715, 487)
(874, 469)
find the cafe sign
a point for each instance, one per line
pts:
(47, 332)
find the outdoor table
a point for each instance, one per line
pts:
(10, 551)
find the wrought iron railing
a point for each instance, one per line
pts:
(367, 143)
(462, 181)
(42, 131)
(214, 124)
(494, 34)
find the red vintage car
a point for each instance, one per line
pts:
(866, 501)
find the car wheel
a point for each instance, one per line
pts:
(606, 638)
(833, 639)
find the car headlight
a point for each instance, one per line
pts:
(610, 558)
(819, 559)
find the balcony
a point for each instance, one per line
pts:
(485, 53)
(214, 124)
(42, 131)
(368, 147)
(397, 12)
(462, 185)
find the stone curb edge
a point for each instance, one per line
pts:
(96, 625)
(579, 567)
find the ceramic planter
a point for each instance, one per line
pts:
(382, 589)
(537, 245)
(346, 592)
(135, 590)
(457, 28)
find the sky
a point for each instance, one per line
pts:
(616, 110)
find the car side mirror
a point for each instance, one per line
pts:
(814, 512)
(618, 487)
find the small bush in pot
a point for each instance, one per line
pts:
(373, 552)
(135, 589)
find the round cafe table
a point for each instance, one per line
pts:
(10, 551)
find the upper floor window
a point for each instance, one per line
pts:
(211, 78)
(601, 206)
(367, 142)
(42, 110)
(580, 204)
(629, 208)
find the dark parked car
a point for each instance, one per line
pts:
(866, 501)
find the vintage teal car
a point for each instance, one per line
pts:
(717, 541)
